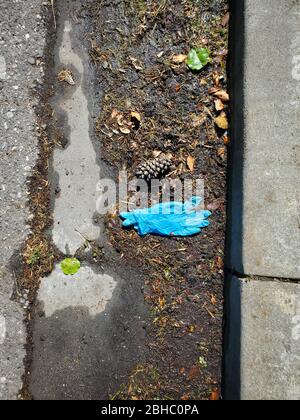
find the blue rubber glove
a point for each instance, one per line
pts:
(168, 219)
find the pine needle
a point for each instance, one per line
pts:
(53, 12)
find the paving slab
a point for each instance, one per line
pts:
(75, 166)
(88, 329)
(262, 357)
(265, 208)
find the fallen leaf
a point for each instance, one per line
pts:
(226, 140)
(216, 79)
(214, 205)
(191, 163)
(198, 58)
(219, 105)
(125, 130)
(157, 153)
(159, 55)
(219, 262)
(213, 300)
(185, 397)
(225, 19)
(136, 64)
(162, 302)
(191, 329)
(66, 76)
(214, 395)
(198, 120)
(179, 59)
(182, 371)
(70, 266)
(221, 152)
(120, 120)
(221, 94)
(222, 122)
(202, 362)
(136, 116)
(178, 87)
(193, 373)
(114, 114)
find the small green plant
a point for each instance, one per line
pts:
(34, 256)
(202, 362)
(70, 266)
(198, 58)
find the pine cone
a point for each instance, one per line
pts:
(154, 168)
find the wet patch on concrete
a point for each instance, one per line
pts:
(89, 329)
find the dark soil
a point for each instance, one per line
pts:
(132, 45)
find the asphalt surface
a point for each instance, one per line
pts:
(22, 41)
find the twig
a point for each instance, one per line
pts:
(53, 12)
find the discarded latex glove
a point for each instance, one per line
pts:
(168, 219)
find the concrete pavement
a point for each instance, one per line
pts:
(263, 313)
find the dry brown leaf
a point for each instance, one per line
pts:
(216, 79)
(222, 122)
(179, 59)
(199, 120)
(226, 140)
(221, 152)
(215, 395)
(213, 300)
(191, 163)
(156, 153)
(114, 114)
(225, 19)
(191, 329)
(66, 76)
(136, 64)
(162, 302)
(193, 373)
(125, 130)
(120, 120)
(178, 87)
(222, 94)
(219, 262)
(136, 116)
(219, 105)
(214, 205)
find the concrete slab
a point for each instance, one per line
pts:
(75, 166)
(265, 209)
(86, 288)
(262, 357)
(89, 333)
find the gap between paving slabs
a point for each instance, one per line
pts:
(134, 55)
(190, 344)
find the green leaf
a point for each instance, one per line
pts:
(198, 58)
(70, 266)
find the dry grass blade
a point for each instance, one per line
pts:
(53, 12)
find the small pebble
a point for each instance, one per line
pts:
(31, 60)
